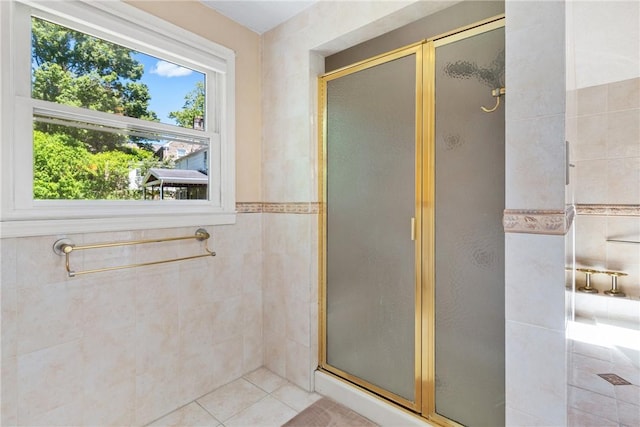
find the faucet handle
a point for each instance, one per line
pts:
(614, 291)
(588, 288)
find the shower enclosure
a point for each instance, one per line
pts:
(412, 268)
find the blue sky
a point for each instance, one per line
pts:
(168, 84)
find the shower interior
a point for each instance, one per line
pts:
(412, 286)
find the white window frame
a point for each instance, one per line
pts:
(127, 26)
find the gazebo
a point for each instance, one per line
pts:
(176, 184)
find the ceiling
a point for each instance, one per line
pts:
(259, 15)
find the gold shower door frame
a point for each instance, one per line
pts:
(417, 50)
(423, 229)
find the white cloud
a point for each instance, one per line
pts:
(167, 69)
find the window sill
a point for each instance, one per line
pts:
(43, 227)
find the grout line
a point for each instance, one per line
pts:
(596, 412)
(168, 413)
(206, 410)
(221, 423)
(280, 400)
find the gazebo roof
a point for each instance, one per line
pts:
(169, 177)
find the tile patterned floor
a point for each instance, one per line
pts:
(263, 399)
(260, 398)
(592, 400)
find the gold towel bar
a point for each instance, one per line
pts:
(65, 247)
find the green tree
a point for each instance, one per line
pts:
(60, 168)
(73, 68)
(110, 174)
(194, 103)
(65, 169)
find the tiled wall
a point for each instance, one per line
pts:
(607, 159)
(126, 347)
(292, 60)
(536, 367)
(290, 295)
(130, 346)
(536, 387)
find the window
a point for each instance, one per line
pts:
(111, 119)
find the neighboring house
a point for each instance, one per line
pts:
(176, 184)
(187, 180)
(174, 150)
(196, 160)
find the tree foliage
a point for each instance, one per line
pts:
(60, 168)
(194, 104)
(64, 169)
(77, 69)
(110, 174)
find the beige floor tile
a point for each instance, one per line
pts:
(628, 393)
(591, 381)
(228, 400)
(578, 418)
(593, 403)
(191, 415)
(269, 412)
(265, 379)
(628, 414)
(295, 397)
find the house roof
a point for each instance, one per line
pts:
(174, 176)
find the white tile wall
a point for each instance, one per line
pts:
(535, 157)
(535, 179)
(125, 347)
(533, 295)
(536, 372)
(289, 348)
(608, 166)
(608, 145)
(168, 311)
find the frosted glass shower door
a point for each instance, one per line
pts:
(469, 237)
(371, 144)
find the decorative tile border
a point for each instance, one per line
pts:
(288, 208)
(250, 207)
(532, 221)
(608, 210)
(292, 208)
(555, 222)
